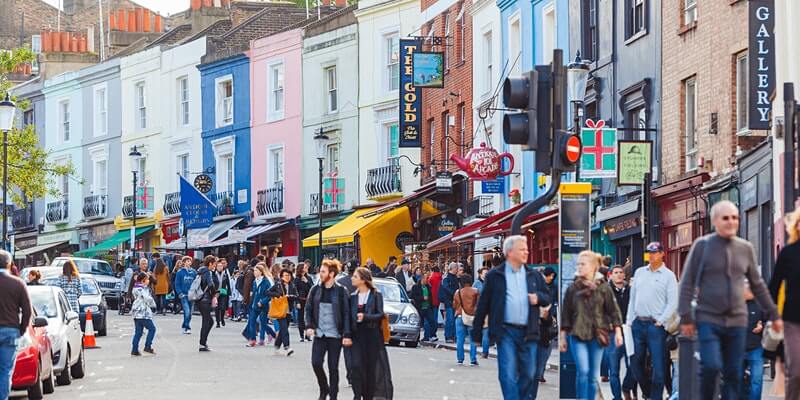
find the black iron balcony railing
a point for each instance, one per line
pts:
(326, 208)
(95, 206)
(270, 201)
(57, 211)
(172, 204)
(384, 182)
(225, 203)
(481, 206)
(23, 218)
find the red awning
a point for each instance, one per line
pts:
(504, 227)
(441, 242)
(471, 230)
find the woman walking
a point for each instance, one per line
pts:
(257, 320)
(33, 278)
(161, 287)
(142, 310)
(282, 294)
(371, 375)
(70, 283)
(222, 281)
(208, 301)
(589, 312)
(303, 284)
(465, 303)
(787, 274)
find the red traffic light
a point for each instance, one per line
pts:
(572, 149)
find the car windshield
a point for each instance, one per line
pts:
(392, 292)
(88, 286)
(44, 303)
(94, 267)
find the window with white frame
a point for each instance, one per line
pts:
(690, 124)
(391, 45)
(276, 172)
(183, 101)
(331, 87)
(141, 168)
(487, 59)
(182, 166)
(635, 17)
(332, 159)
(276, 91)
(141, 105)
(689, 12)
(548, 33)
(64, 186)
(448, 33)
(64, 121)
(100, 177)
(446, 130)
(432, 130)
(514, 43)
(392, 133)
(100, 111)
(228, 171)
(224, 100)
(462, 127)
(36, 44)
(462, 33)
(741, 92)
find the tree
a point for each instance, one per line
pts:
(30, 174)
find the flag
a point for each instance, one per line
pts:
(599, 153)
(197, 211)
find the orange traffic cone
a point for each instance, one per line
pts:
(88, 335)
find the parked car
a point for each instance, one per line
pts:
(90, 300)
(33, 370)
(64, 331)
(403, 317)
(101, 271)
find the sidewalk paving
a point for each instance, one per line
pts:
(552, 362)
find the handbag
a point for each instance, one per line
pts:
(279, 306)
(385, 330)
(602, 336)
(466, 319)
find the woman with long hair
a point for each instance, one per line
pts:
(589, 312)
(33, 278)
(283, 288)
(142, 314)
(371, 375)
(303, 284)
(161, 287)
(70, 283)
(208, 301)
(222, 281)
(785, 289)
(257, 319)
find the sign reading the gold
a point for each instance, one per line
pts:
(410, 96)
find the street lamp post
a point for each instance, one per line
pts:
(7, 109)
(577, 78)
(134, 154)
(321, 139)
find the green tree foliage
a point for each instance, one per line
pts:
(30, 174)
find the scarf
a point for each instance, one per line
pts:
(585, 288)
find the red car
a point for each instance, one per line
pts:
(33, 371)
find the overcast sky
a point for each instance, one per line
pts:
(162, 6)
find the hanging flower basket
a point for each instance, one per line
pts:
(515, 196)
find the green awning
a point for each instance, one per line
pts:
(113, 241)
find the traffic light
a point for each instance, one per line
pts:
(532, 129)
(566, 151)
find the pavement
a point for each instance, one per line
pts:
(552, 362)
(232, 371)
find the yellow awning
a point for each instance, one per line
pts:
(343, 232)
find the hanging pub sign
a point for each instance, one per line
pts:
(444, 182)
(634, 159)
(410, 96)
(446, 226)
(761, 68)
(484, 163)
(428, 70)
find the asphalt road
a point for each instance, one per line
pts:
(232, 371)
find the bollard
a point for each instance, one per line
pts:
(688, 367)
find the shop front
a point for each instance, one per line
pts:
(198, 239)
(622, 225)
(540, 229)
(147, 241)
(755, 204)
(48, 246)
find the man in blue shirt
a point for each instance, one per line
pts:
(511, 297)
(183, 281)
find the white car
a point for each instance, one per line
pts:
(64, 331)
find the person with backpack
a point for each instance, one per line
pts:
(205, 294)
(282, 294)
(183, 282)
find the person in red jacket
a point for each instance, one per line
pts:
(435, 281)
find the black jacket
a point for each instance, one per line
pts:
(280, 289)
(623, 297)
(416, 296)
(303, 288)
(225, 282)
(207, 284)
(340, 302)
(754, 315)
(373, 310)
(447, 290)
(401, 278)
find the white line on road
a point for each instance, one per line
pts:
(114, 367)
(93, 394)
(106, 380)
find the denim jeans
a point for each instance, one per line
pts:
(649, 337)
(428, 321)
(187, 312)
(587, 356)
(449, 323)
(258, 320)
(461, 332)
(542, 355)
(139, 324)
(485, 342)
(8, 349)
(516, 360)
(613, 356)
(754, 361)
(721, 350)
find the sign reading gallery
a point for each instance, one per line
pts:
(410, 96)
(761, 65)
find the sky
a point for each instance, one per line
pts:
(162, 6)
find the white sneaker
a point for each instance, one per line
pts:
(289, 352)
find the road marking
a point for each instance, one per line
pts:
(91, 374)
(114, 367)
(93, 394)
(452, 382)
(106, 380)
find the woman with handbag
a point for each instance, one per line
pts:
(589, 312)
(465, 302)
(371, 374)
(282, 294)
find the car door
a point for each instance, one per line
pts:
(74, 334)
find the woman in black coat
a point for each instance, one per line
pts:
(222, 281)
(371, 375)
(303, 284)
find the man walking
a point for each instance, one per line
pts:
(446, 292)
(328, 320)
(403, 275)
(183, 281)
(511, 299)
(653, 301)
(715, 269)
(615, 354)
(15, 315)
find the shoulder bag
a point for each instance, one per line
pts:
(279, 306)
(465, 318)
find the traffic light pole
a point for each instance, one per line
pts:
(537, 203)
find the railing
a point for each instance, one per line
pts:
(481, 206)
(326, 208)
(95, 206)
(172, 204)
(225, 203)
(23, 218)
(57, 211)
(270, 201)
(384, 182)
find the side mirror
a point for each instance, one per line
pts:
(71, 315)
(39, 322)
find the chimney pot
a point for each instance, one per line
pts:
(197, 4)
(139, 19)
(341, 3)
(82, 44)
(112, 24)
(55, 39)
(146, 20)
(46, 46)
(73, 45)
(208, 3)
(65, 42)
(157, 23)
(122, 24)
(131, 21)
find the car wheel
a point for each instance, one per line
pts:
(79, 369)
(64, 378)
(413, 344)
(35, 391)
(393, 342)
(48, 385)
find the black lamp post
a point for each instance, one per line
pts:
(7, 109)
(577, 78)
(321, 139)
(135, 155)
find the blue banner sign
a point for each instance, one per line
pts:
(197, 211)
(410, 96)
(496, 186)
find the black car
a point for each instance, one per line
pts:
(91, 300)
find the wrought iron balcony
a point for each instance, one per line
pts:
(58, 211)
(23, 218)
(270, 201)
(326, 208)
(384, 182)
(226, 203)
(172, 204)
(95, 206)
(127, 208)
(481, 206)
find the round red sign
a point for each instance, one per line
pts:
(573, 149)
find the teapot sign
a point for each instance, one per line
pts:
(484, 163)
